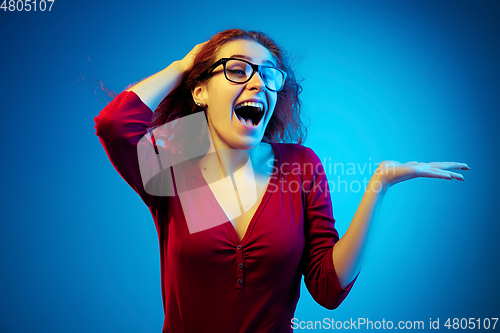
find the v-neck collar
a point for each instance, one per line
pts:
(267, 194)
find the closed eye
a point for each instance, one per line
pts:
(237, 71)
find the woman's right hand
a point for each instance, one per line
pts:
(153, 89)
(187, 62)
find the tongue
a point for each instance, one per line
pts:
(247, 121)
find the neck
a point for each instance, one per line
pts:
(222, 160)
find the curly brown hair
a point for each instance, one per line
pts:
(285, 124)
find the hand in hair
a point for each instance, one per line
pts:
(188, 61)
(154, 89)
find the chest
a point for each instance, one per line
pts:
(241, 193)
(241, 223)
(271, 241)
(267, 240)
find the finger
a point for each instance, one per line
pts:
(195, 50)
(199, 46)
(412, 163)
(434, 173)
(452, 175)
(456, 176)
(449, 165)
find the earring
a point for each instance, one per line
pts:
(199, 104)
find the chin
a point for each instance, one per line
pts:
(245, 143)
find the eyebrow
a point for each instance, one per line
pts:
(242, 56)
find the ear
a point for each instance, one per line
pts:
(200, 94)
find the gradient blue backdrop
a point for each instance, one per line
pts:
(401, 80)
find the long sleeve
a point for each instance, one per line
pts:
(319, 226)
(120, 126)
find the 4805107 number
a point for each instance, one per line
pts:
(471, 323)
(27, 5)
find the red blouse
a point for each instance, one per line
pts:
(212, 282)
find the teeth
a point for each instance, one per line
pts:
(249, 122)
(254, 104)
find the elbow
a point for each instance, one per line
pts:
(330, 303)
(329, 296)
(107, 124)
(109, 119)
(102, 125)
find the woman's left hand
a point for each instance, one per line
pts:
(393, 172)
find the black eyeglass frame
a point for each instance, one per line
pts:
(255, 68)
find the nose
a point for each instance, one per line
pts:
(256, 82)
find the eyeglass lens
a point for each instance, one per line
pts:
(240, 71)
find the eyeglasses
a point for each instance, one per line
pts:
(241, 71)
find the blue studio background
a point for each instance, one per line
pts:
(398, 80)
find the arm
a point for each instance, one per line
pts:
(320, 276)
(120, 126)
(153, 89)
(348, 252)
(123, 123)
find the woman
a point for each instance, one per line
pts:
(242, 276)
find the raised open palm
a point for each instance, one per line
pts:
(393, 172)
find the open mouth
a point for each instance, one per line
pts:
(249, 113)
